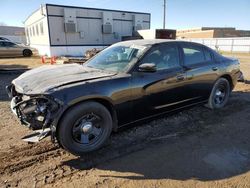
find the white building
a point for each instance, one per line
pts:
(57, 30)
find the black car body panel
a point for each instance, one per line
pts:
(130, 95)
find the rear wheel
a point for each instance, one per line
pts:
(220, 94)
(85, 128)
(27, 53)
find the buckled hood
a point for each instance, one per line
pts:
(44, 78)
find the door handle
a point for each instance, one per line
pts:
(214, 68)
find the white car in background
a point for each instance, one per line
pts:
(3, 38)
(10, 49)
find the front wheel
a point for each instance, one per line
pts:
(85, 128)
(220, 94)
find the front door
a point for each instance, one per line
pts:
(162, 90)
(11, 49)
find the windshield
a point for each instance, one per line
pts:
(116, 58)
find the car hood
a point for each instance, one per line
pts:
(44, 78)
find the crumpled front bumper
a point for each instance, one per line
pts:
(44, 126)
(12, 106)
(241, 77)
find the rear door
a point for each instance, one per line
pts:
(201, 70)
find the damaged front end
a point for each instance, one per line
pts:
(36, 112)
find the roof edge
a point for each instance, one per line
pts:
(90, 8)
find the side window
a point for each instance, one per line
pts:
(193, 55)
(1, 44)
(208, 56)
(164, 57)
(9, 44)
(170, 56)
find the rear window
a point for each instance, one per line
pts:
(9, 44)
(193, 55)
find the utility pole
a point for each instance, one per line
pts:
(164, 15)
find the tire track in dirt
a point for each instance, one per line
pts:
(23, 157)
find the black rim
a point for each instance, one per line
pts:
(26, 53)
(87, 129)
(220, 94)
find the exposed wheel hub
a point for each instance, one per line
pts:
(86, 127)
(218, 93)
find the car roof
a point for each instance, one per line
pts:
(151, 42)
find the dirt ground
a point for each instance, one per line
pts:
(21, 62)
(197, 147)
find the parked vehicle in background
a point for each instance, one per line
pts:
(5, 39)
(10, 49)
(126, 82)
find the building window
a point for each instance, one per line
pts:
(27, 32)
(41, 28)
(30, 31)
(33, 30)
(37, 30)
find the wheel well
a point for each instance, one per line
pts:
(104, 102)
(229, 79)
(27, 50)
(111, 110)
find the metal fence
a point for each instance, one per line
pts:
(239, 44)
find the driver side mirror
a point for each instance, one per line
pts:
(147, 67)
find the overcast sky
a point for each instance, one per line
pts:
(180, 13)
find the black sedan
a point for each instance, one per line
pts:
(80, 105)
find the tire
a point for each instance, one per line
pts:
(85, 128)
(27, 53)
(220, 94)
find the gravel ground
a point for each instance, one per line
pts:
(193, 148)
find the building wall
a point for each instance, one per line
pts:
(230, 33)
(36, 28)
(89, 22)
(55, 41)
(212, 32)
(196, 34)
